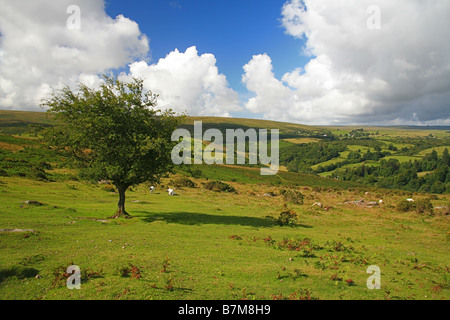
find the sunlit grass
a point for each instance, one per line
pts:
(214, 244)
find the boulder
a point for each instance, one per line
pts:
(33, 202)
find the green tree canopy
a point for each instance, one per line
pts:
(113, 133)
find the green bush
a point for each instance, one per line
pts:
(38, 173)
(288, 217)
(292, 196)
(420, 206)
(194, 171)
(424, 206)
(109, 188)
(218, 186)
(406, 206)
(44, 165)
(183, 182)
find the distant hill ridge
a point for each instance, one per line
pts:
(11, 121)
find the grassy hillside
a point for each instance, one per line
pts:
(205, 244)
(16, 122)
(202, 244)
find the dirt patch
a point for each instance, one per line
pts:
(10, 146)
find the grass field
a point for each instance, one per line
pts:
(384, 132)
(301, 140)
(208, 245)
(439, 151)
(402, 158)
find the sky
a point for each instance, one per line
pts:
(317, 62)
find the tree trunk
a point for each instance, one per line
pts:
(121, 212)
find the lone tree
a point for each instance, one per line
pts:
(113, 133)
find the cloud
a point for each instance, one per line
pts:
(39, 51)
(175, 5)
(399, 73)
(188, 82)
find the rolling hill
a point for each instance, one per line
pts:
(307, 153)
(290, 236)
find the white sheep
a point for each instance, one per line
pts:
(171, 192)
(410, 200)
(152, 188)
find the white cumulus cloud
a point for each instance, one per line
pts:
(397, 73)
(38, 51)
(187, 81)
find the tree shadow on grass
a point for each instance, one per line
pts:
(194, 218)
(19, 272)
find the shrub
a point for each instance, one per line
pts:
(406, 206)
(109, 188)
(292, 196)
(193, 171)
(337, 246)
(288, 217)
(424, 206)
(218, 186)
(37, 173)
(44, 165)
(124, 272)
(131, 271)
(420, 206)
(183, 182)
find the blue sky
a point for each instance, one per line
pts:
(372, 61)
(232, 30)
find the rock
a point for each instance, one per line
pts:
(357, 202)
(269, 194)
(17, 230)
(33, 202)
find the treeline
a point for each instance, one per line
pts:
(393, 174)
(300, 157)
